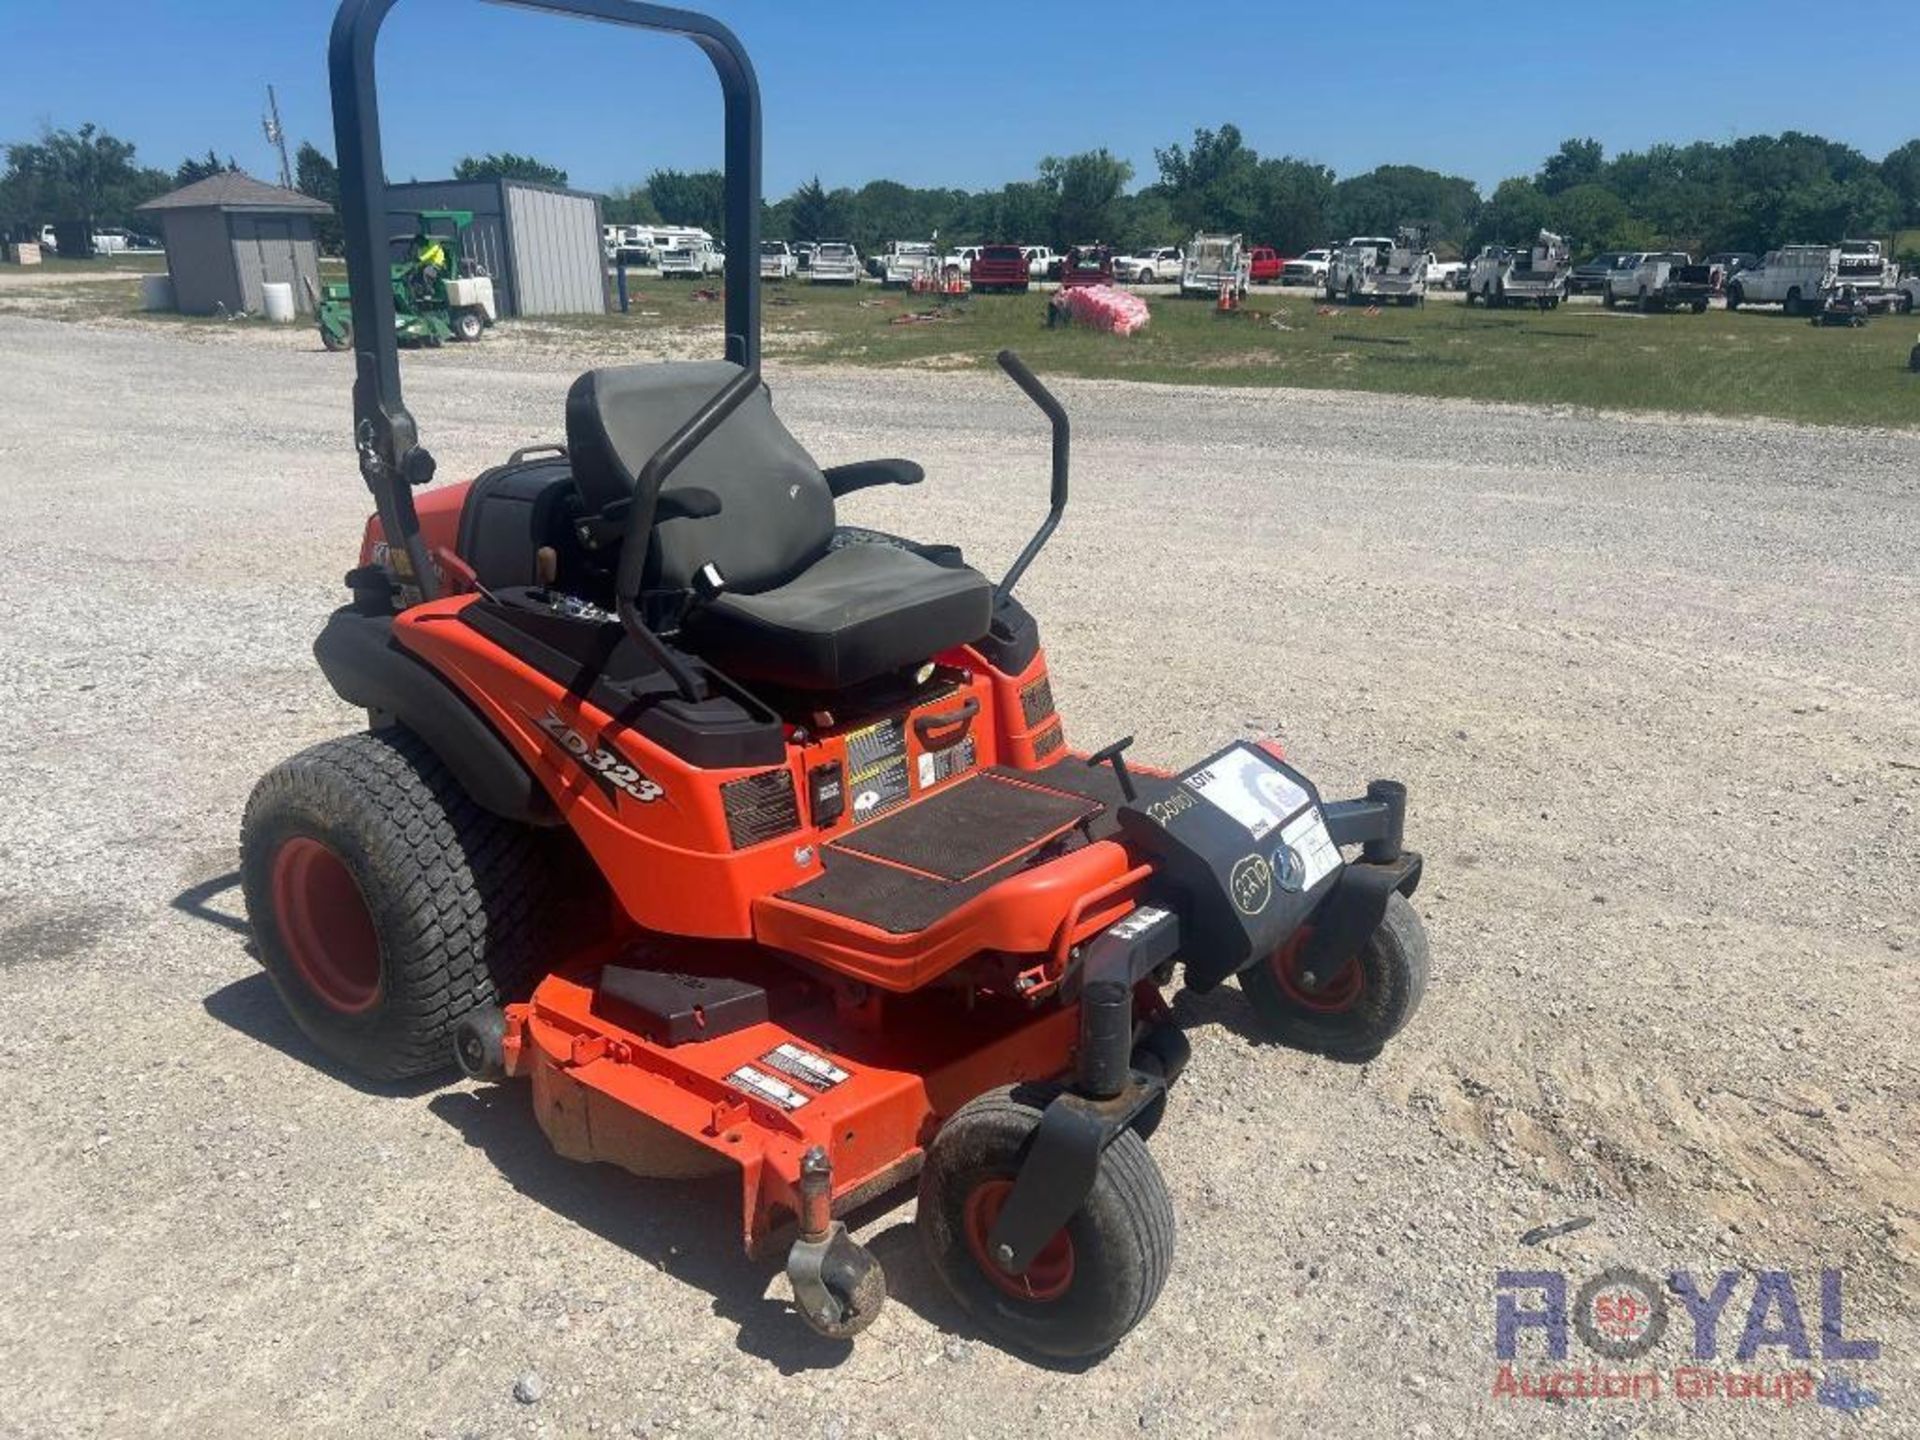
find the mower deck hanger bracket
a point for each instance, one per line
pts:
(837, 905)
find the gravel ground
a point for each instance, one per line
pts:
(1653, 685)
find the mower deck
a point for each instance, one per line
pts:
(760, 1095)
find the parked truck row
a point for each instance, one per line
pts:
(1377, 269)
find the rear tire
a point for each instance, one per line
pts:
(1094, 1281)
(469, 325)
(1353, 1013)
(386, 904)
(1792, 305)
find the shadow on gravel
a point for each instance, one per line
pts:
(1224, 1006)
(688, 1229)
(193, 901)
(250, 1007)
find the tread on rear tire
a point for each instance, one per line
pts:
(456, 899)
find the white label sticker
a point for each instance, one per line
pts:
(1247, 788)
(1307, 854)
(765, 1087)
(927, 772)
(804, 1065)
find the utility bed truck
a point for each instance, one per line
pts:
(1381, 268)
(692, 258)
(907, 261)
(1505, 275)
(1864, 265)
(1659, 280)
(1794, 277)
(1213, 261)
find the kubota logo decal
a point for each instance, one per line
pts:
(605, 768)
(1251, 882)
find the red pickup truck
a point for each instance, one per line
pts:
(1266, 265)
(999, 267)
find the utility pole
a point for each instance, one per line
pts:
(277, 137)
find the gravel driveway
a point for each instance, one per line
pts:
(1655, 687)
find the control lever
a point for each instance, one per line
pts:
(1056, 414)
(1116, 756)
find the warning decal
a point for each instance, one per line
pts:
(805, 1066)
(765, 1087)
(1307, 850)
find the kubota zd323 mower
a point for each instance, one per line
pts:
(752, 841)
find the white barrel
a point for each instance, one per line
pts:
(276, 298)
(156, 292)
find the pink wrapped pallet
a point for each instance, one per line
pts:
(1103, 307)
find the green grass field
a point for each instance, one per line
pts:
(1756, 363)
(1752, 363)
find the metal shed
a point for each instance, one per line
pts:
(540, 243)
(229, 234)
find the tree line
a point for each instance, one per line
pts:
(1747, 194)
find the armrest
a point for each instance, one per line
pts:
(863, 474)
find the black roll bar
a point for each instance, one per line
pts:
(392, 459)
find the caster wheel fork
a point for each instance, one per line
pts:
(838, 1285)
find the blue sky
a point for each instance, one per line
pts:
(970, 94)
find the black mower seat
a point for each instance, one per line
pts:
(796, 611)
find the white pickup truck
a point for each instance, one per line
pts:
(1659, 280)
(906, 261)
(1794, 277)
(777, 260)
(1380, 267)
(1150, 267)
(834, 263)
(1309, 268)
(1213, 261)
(1041, 262)
(1502, 275)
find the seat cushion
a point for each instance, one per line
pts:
(857, 613)
(776, 509)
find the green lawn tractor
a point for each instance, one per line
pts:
(439, 292)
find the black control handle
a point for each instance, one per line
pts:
(640, 515)
(1116, 756)
(1056, 414)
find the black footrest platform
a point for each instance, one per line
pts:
(904, 871)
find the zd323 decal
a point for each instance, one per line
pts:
(602, 766)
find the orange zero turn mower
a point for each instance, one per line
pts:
(752, 841)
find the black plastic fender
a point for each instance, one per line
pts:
(366, 668)
(1354, 908)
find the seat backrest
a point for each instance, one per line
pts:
(776, 513)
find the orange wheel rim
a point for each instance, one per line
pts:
(325, 926)
(1332, 997)
(1047, 1278)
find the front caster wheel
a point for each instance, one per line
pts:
(838, 1287)
(479, 1043)
(1088, 1285)
(1352, 1012)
